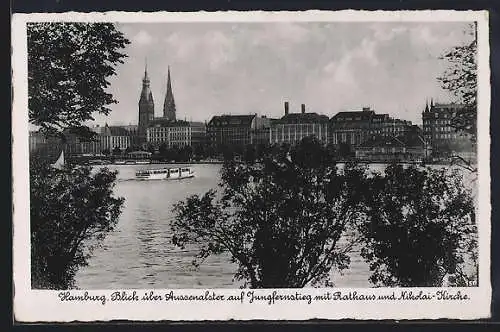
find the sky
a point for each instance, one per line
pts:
(246, 68)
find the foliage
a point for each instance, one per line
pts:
(420, 224)
(460, 79)
(117, 151)
(281, 219)
(250, 153)
(68, 67)
(71, 211)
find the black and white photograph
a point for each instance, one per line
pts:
(245, 162)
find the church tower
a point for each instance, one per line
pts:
(169, 105)
(146, 106)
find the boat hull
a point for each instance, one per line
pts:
(164, 174)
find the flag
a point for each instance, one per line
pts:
(59, 164)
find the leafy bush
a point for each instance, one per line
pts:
(420, 224)
(281, 220)
(71, 210)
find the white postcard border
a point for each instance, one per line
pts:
(36, 305)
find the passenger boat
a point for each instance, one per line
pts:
(165, 174)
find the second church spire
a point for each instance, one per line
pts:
(169, 104)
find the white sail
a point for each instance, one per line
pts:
(59, 164)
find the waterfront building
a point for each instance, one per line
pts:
(387, 148)
(114, 137)
(440, 133)
(293, 127)
(176, 133)
(356, 127)
(236, 130)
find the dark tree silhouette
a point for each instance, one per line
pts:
(68, 67)
(420, 226)
(281, 220)
(72, 209)
(117, 151)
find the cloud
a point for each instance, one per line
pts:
(344, 71)
(273, 34)
(384, 32)
(424, 35)
(143, 38)
(213, 48)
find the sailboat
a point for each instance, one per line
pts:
(59, 164)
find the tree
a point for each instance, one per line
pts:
(345, 151)
(460, 79)
(68, 67)
(163, 150)
(281, 220)
(420, 224)
(151, 148)
(117, 151)
(250, 153)
(71, 211)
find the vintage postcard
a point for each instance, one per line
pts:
(251, 166)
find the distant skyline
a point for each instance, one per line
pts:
(244, 68)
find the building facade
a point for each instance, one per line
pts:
(114, 137)
(356, 127)
(237, 130)
(405, 148)
(293, 127)
(440, 132)
(176, 134)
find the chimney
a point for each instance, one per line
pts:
(286, 108)
(303, 108)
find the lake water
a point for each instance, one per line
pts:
(139, 252)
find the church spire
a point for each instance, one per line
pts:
(426, 105)
(146, 77)
(146, 94)
(146, 106)
(169, 105)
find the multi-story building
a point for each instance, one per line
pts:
(388, 148)
(236, 130)
(114, 137)
(440, 133)
(176, 133)
(293, 127)
(356, 127)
